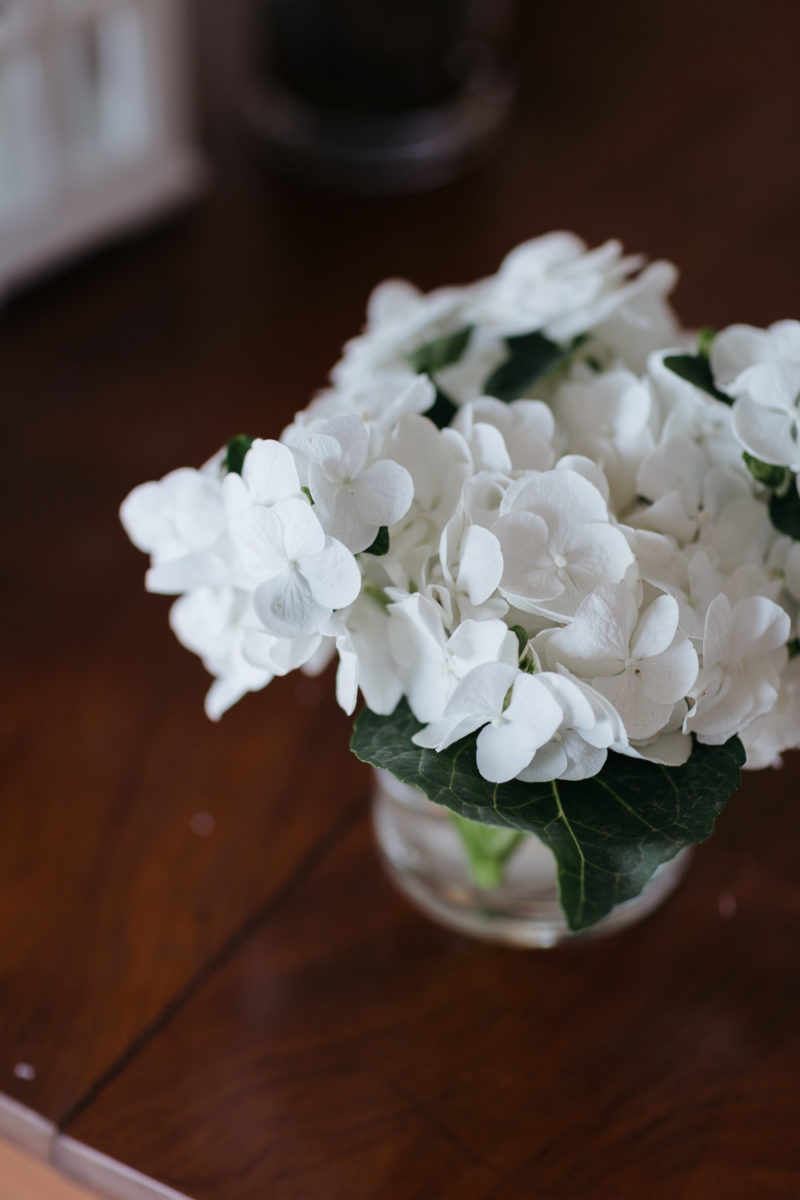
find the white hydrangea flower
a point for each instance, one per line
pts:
(278, 655)
(589, 726)
(365, 659)
(471, 564)
(644, 321)
(180, 520)
(302, 574)
(558, 543)
(555, 284)
(670, 747)
(744, 652)
(761, 368)
(439, 464)
(485, 444)
(514, 711)
(639, 660)
(684, 489)
(704, 581)
(430, 663)
(740, 532)
(609, 515)
(269, 474)
(464, 381)
(767, 737)
(735, 349)
(400, 319)
(527, 428)
(687, 411)
(766, 414)
(177, 515)
(212, 623)
(380, 403)
(606, 418)
(354, 493)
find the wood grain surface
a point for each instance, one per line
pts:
(253, 1013)
(351, 1049)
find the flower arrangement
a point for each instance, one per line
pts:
(554, 541)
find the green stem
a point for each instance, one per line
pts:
(488, 850)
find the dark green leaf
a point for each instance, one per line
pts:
(441, 352)
(608, 834)
(532, 357)
(784, 512)
(442, 411)
(522, 637)
(381, 544)
(794, 648)
(235, 453)
(766, 473)
(695, 368)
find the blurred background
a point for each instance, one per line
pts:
(195, 201)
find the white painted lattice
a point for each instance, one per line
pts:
(94, 123)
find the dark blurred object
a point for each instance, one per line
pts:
(387, 97)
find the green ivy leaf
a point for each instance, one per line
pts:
(441, 352)
(766, 473)
(381, 544)
(532, 357)
(442, 411)
(522, 637)
(696, 369)
(784, 512)
(235, 453)
(608, 834)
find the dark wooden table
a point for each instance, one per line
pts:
(254, 1013)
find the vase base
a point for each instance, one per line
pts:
(422, 856)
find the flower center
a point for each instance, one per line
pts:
(559, 562)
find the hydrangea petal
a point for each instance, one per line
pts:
(656, 628)
(770, 434)
(257, 534)
(286, 606)
(301, 530)
(643, 717)
(333, 575)
(269, 472)
(141, 514)
(669, 676)
(481, 564)
(383, 492)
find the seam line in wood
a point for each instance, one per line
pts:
(218, 959)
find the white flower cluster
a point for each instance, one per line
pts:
(580, 564)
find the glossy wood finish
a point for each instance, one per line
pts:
(254, 1013)
(110, 905)
(351, 1049)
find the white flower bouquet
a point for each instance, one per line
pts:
(553, 539)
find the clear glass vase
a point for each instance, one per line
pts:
(425, 855)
